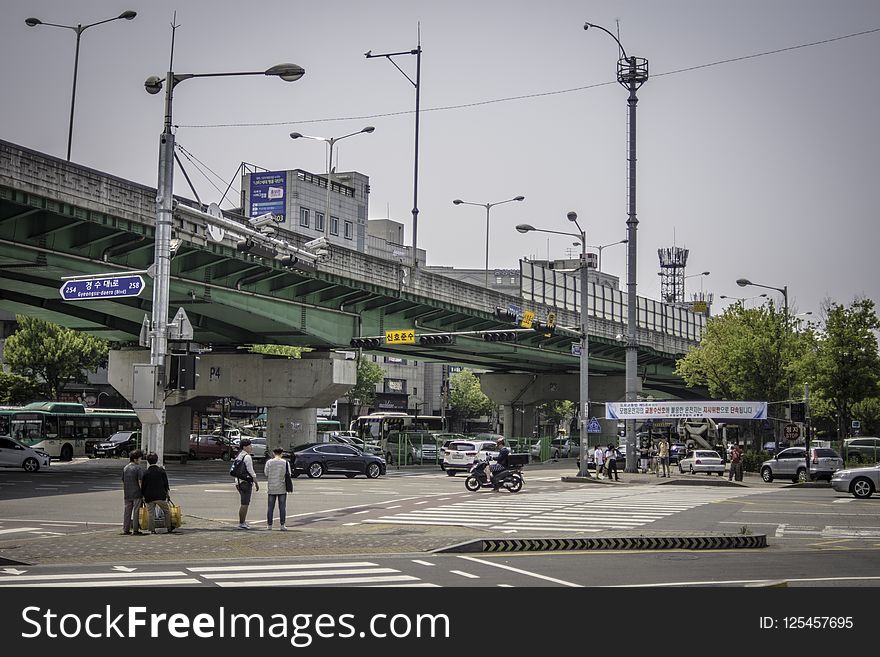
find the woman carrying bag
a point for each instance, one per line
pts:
(280, 483)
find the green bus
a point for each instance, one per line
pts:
(65, 430)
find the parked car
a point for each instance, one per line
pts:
(14, 454)
(317, 459)
(461, 454)
(443, 442)
(791, 464)
(701, 460)
(411, 447)
(865, 449)
(209, 446)
(676, 452)
(860, 482)
(121, 443)
(560, 448)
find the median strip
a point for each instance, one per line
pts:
(657, 542)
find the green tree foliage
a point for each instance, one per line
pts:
(560, 412)
(277, 350)
(867, 412)
(845, 366)
(53, 355)
(744, 354)
(369, 375)
(467, 398)
(17, 390)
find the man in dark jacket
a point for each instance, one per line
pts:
(155, 489)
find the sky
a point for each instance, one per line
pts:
(757, 138)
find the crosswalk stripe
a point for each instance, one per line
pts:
(324, 581)
(303, 573)
(240, 568)
(103, 584)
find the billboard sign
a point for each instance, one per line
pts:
(268, 193)
(731, 410)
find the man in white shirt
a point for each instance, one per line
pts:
(599, 459)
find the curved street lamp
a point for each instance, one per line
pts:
(329, 141)
(488, 206)
(604, 246)
(632, 73)
(584, 406)
(154, 419)
(701, 274)
(79, 29)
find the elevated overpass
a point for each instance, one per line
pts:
(60, 219)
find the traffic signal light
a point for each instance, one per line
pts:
(505, 315)
(436, 338)
(500, 336)
(182, 372)
(365, 343)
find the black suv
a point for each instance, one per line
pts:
(121, 443)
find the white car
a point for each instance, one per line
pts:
(461, 454)
(14, 454)
(701, 460)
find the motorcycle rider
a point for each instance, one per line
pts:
(502, 461)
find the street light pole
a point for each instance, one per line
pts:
(488, 206)
(632, 73)
(417, 84)
(330, 142)
(79, 29)
(584, 370)
(604, 246)
(704, 273)
(154, 425)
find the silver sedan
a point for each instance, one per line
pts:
(861, 482)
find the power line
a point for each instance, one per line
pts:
(534, 95)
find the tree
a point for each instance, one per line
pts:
(277, 350)
(369, 375)
(17, 390)
(53, 355)
(560, 412)
(467, 398)
(846, 365)
(867, 412)
(744, 354)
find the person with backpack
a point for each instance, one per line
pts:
(156, 489)
(611, 456)
(245, 480)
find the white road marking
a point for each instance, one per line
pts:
(423, 563)
(487, 562)
(464, 574)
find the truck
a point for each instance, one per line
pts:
(707, 433)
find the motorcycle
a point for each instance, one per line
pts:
(510, 479)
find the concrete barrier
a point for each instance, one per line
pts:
(656, 542)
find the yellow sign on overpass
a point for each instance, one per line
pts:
(406, 336)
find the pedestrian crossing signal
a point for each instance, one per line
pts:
(365, 343)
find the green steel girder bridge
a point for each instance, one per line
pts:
(59, 219)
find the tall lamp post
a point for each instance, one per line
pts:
(417, 83)
(744, 282)
(330, 141)
(604, 246)
(488, 206)
(744, 299)
(154, 422)
(584, 406)
(79, 29)
(632, 73)
(701, 274)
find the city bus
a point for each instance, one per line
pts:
(65, 430)
(329, 425)
(375, 427)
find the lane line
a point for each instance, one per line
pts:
(523, 572)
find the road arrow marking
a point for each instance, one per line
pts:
(14, 571)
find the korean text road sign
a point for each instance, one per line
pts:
(527, 318)
(106, 287)
(405, 336)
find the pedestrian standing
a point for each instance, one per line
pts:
(132, 476)
(248, 483)
(663, 455)
(611, 455)
(156, 491)
(645, 454)
(599, 459)
(277, 469)
(736, 465)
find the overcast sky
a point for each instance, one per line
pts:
(763, 167)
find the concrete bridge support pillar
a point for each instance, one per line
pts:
(178, 426)
(288, 427)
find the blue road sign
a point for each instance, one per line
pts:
(594, 426)
(106, 287)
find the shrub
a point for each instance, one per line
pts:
(752, 460)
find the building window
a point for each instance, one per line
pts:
(334, 225)
(415, 392)
(349, 230)
(304, 217)
(319, 221)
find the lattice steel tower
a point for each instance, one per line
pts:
(672, 263)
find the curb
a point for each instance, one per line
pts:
(717, 542)
(672, 481)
